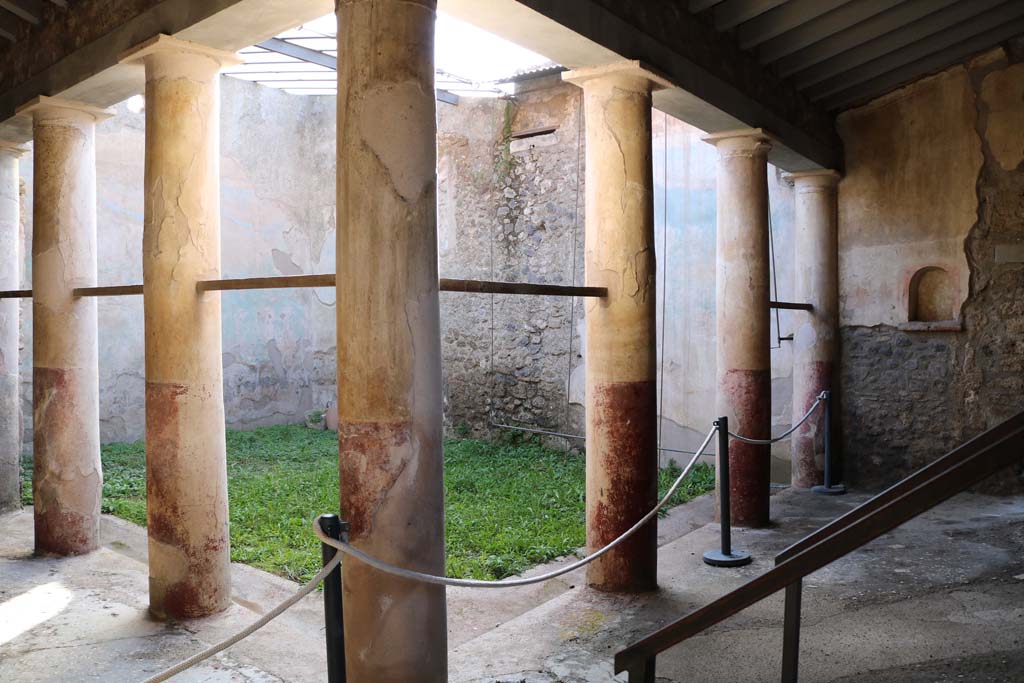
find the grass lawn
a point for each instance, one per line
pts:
(508, 506)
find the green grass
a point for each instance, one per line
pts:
(508, 505)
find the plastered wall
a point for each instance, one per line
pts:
(934, 176)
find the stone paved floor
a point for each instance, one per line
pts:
(940, 599)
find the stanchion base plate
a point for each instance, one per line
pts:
(716, 558)
(834, 490)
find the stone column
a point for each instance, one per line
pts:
(814, 342)
(742, 330)
(67, 478)
(621, 382)
(10, 278)
(389, 348)
(186, 477)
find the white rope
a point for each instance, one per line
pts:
(765, 442)
(510, 583)
(248, 630)
(345, 548)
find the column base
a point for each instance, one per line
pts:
(834, 490)
(737, 558)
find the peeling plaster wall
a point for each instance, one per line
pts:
(934, 176)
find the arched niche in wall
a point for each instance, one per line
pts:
(932, 300)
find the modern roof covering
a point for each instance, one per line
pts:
(840, 53)
(303, 61)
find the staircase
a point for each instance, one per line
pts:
(954, 473)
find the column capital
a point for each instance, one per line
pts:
(814, 180)
(12, 149)
(163, 44)
(53, 108)
(626, 73)
(745, 142)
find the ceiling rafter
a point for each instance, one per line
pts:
(839, 52)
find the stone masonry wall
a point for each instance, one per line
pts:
(511, 210)
(909, 396)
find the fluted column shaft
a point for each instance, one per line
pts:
(389, 346)
(186, 472)
(742, 316)
(815, 338)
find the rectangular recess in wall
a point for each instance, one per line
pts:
(532, 132)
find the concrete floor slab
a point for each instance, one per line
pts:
(940, 588)
(940, 599)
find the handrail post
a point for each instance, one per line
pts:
(333, 616)
(642, 672)
(828, 489)
(791, 632)
(726, 557)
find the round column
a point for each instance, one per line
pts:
(389, 344)
(67, 477)
(814, 341)
(186, 476)
(742, 316)
(10, 278)
(621, 352)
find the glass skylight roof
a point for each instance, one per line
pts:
(469, 61)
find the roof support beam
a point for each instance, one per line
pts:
(932, 63)
(306, 54)
(988, 23)
(29, 10)
(784, 18)
(950, 19)
(8, 26)
(718, 87)
(820, 29)
(316, 57)
(855, 36)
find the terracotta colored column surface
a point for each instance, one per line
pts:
(186, 477)
(67, 478)
(621, 383)
(10, 278)
(389, 344)
(742, 316)
(814, 342)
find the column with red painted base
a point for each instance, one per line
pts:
(621, 354)
(742, 330)
(815, 336)
(67, 477)
(186, 472)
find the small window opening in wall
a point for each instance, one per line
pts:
(533, 132)
(931, 296)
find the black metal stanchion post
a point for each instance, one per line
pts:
(829, 489)
(337, 529)
(726, 557)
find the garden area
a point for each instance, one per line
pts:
(508, 505)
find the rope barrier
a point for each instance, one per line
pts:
(510, 583)
(250, 629)
(823, 396)
(347, 549)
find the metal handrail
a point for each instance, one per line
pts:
(957, 455)
(977, 459)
